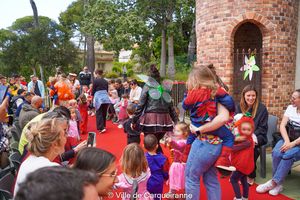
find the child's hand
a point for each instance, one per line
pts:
(240, 138)
(168, 140)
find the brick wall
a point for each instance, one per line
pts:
(216, 25)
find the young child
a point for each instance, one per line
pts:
(177, 145)
(243, 157)
(73, 126)
(133, 135)
(135, 171)
(201, 99)
(90, 100)
(122, 114)
(83, 109)
(73, 104)
(158, 165)
(114, 99)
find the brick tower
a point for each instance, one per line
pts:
(227, 30)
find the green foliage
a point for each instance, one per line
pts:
(118, 68)
(23, 47)
(111, 75)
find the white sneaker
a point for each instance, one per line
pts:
(120, 126)
(263, 188)
(275, 191)
(237, 198)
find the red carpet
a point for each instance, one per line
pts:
(114, 141)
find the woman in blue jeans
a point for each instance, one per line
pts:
(286, 152)
(204, 152)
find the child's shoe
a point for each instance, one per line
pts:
(223, 163)
(120, 126)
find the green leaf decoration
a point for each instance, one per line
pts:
(255, 68)
(246, 74)
(248, 114)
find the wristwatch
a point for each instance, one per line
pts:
(198, 133)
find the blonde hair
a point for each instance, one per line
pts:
(72, 102)
(184, 127)
(133, 161)
(201, 76)
(41, 135)
(243, 104)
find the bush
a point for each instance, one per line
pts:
(112, 75)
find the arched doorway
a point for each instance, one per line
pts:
(247, 40)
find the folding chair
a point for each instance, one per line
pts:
(272, 127)
(6, 184)
(15, 159)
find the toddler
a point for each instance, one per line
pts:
(83, 109)
(243, 157)
(133, 135)
(158, 165)
(73, 127)
(122, 114)
(177, 144)
(135, 172)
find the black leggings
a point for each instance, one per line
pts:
(234, 180)
(101, 117)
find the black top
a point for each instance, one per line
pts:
(129, 130)
(37, 89)
(261, 123)
(85, 78)
(99, 84)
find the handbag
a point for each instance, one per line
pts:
(293, 130)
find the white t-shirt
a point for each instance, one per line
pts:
(135, 94)
(31, 164)
(291, 113)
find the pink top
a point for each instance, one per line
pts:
(178, 146)
(125, 183)
(73, 129)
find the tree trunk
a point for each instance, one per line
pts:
(34, 70)
(171, 59)
(90, 60)
(192, 45)
(36, 26)
(35, 14)
(163, 53)
(84, 53)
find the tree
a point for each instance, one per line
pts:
(23, 46)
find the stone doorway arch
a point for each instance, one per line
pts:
(248, 40)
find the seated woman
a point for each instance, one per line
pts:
(286, 152)
(46, 140)
(101, 162)
(250, 103)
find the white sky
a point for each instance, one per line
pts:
(10, 10)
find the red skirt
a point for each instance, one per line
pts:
(156, 123)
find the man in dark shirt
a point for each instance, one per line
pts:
(85, 77)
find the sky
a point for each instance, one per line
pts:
(10, 10)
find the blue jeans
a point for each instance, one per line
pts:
(200, 163)
(283, 161)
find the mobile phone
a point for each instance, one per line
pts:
(3, 92)
(91, 139)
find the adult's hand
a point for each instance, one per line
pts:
(3, 112)
(287, 145)
(132, 126)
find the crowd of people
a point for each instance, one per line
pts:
(224, 136)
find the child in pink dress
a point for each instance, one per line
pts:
(73, 126)
(122, 116)
(177, 145)
(135, 170)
